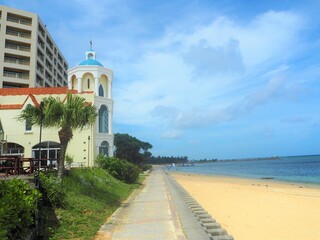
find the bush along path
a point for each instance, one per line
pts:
(73, 208)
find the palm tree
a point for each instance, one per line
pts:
(72, 114)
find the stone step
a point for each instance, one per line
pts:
(225, 237)
(202, 216)
(207, 220)
(216, 232)
(212, 225)
(199, 212)
(196, 208)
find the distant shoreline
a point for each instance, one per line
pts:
(254, 159)
(246, 178)
(297, 169)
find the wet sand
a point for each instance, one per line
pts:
(252, 209)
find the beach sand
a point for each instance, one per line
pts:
(252, 209)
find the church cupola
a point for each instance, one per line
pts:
(91, 75)
(91, 58)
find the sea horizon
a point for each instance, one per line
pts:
(303, 169)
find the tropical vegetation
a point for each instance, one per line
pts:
(131, 149)
(120, 169)
(18, 203)
(74, 113)
(73, 208)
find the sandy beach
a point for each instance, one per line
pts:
(252, 209)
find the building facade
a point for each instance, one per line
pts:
(90, 80)
(28, 55)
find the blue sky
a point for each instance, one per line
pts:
(203, 79)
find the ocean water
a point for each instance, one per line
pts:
(299, 169)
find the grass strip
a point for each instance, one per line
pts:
(92, 196)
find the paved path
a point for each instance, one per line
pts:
(158, 211)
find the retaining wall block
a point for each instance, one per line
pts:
(212, 225)
(225, 237)
(217, 232)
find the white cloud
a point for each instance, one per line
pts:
(207, 60)
(173, 134)
(195, 79)
(181, 69)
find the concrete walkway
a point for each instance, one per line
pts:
(158, 211)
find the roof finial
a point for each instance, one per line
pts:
(90, 45)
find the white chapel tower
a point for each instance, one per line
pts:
(90, 76)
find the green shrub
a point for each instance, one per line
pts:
(146, 167)
(52, 190)
(69, 159)
(121, 169)
(18, 202)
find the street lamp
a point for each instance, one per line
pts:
(88, 149)
(41, 108)
(37, 224)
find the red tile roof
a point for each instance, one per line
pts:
(10, 106)
(34, 91)
(30, 92)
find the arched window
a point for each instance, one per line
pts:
(103, 148)
(47, 150)
(103, 119)
(101, 92)
(12, 148)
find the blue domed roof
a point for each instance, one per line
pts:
(90, 62)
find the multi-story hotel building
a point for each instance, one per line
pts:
(28, 55)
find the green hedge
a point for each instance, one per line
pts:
(52, 190)
(18, 202)
(121, 169)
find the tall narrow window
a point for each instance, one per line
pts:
(28, 126)
(88, 82)
(28, 123)
(1, 132)
(103, 119)
(101, 92)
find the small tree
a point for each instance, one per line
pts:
(121, 169)
(131, 148)
(74, 113)
(69, 159)
(18, 205)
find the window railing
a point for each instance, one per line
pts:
(41, 31)
(18, 34)
(49, 78)
(41, 44)
(16, 75)
(40, 69)
(40, 56)
(49, 66)
(17, 60)
(19, 20)
(39, 81)
(50, 43)
(17, 47)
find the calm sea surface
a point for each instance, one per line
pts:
(304, 169)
